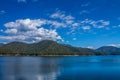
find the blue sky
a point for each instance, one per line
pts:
(81, 23)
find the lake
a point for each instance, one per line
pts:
(60, 68)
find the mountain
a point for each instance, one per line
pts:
(49, 47)
(1, 44)
(17, 47)
(46, 47)
(84, 51)
(109, 50)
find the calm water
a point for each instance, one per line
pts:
(60, 68)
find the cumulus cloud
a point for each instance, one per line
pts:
(32, 30)
(29, 31)
(11, 31)
(25, 24)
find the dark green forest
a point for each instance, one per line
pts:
(48, 47)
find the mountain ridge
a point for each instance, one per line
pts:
(49, 47)
(111, 50)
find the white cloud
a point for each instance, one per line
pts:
(11, 31)
(69, 22)
(21, 0)
(56, 24)
(29, 30)
(32, 30)
(75, 24)
(101, 24)
(74, 39)
(61, 15)
(12, 38)
(69, 17)
(114, 45)
(95, 24)
(89, 24)
(86, 27)
(63, 20)
(90, 47)
(28, 24)
(58, 14)
(25, 24)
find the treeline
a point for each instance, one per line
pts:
(46, 47)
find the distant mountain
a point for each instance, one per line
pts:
(46, 47)
(1, 44)
(109, 50)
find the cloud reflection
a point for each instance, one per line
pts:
(29, 69)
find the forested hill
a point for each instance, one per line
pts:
(110, 50)
(46, 47)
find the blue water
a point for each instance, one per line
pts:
(60, 68)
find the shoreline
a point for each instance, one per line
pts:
(50, 55)
(40, 55)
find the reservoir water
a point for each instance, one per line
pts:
(60, 68)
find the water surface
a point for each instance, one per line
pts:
(60, 68)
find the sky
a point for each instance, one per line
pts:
(80, 23)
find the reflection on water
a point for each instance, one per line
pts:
(60, 68)
(28, 68)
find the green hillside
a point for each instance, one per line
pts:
(46, 47)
